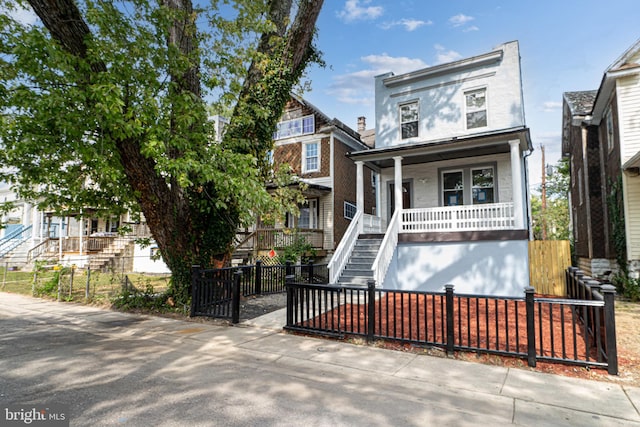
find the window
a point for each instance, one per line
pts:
(482, 185)
(349, 210)
(476, 104)
(609, 130)
(309, 214)
(374, 182)
(295, 127)
(452, 188)
(311, 158)
(474, 185)
(409, 120)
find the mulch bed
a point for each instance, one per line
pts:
(480, 324)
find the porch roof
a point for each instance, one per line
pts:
(446, 149)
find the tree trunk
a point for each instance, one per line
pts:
(186, 233)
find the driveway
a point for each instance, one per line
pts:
(112, 369)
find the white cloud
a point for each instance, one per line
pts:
(355, 10)
(460, 19)
(443, 55)
(357, 87)
(471, 28)
(409, 24)
(551, 106)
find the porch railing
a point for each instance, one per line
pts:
(372, 224)
(494, 216)
(343, 251)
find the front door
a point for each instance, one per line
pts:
(406, 197)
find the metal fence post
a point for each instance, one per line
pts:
(609, 293)
(289, 286)
(531, 325)
(287, 269)
(258, 277)
(195, 276)
(310, 272)
(371, 309)
(86, 288)
(235, 297)
(449, 313)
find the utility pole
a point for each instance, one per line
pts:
(543, 197)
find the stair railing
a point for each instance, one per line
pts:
(345, 248)
(14, 239)
(387, 248)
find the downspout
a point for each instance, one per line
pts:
(527, 194)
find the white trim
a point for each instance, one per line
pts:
(468, 111)
(304, 156)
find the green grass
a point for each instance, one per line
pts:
(101, 286)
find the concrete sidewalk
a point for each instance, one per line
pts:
(113, 368)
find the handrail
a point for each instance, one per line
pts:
(387, 248)
(343, 251)
(14, 239)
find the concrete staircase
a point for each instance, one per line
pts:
(358, 269)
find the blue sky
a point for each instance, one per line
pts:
(565, 45)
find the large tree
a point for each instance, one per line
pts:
(104, 105)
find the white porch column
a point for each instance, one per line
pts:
(360, 186)
(397, 187)
(516, 182)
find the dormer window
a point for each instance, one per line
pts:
(409, 120)
(295, 127)
(476, 104)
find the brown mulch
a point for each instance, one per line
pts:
(501, 327)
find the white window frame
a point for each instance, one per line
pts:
(467, 182)
(493, 186)
(473, 109)
(305, 168)
(295, 127)
(350, 210)
(417, 119)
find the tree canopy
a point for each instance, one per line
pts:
(104, 105)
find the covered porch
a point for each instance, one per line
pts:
(457, 190)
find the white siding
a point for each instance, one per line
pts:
(441, 99)
(628, 94)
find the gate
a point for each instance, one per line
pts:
(215, 294)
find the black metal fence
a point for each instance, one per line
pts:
(216, 292)
(579, 332)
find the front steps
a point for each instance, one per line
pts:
(358, 270)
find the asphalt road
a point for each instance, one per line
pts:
(113, 369)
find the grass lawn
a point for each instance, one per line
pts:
(76, 287)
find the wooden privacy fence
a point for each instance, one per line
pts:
(548, 261)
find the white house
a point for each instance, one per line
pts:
(455, 136)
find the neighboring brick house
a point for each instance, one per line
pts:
(601, 138)
(454, 136)
(316, 147)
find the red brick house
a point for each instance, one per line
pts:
(315, 147)
(601, 138)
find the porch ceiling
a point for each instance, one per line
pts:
(447, 149)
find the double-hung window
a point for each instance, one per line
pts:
(409, 120)
(476, 108)
(311, 157)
